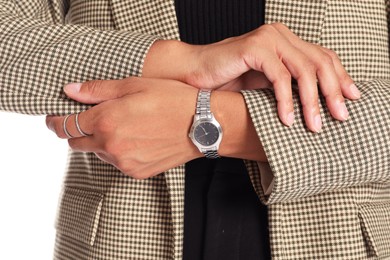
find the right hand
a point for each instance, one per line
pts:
(269, 56)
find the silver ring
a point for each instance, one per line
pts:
(64, 126)
(78, 126)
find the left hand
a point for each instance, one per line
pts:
(269, 54)
(136, 125)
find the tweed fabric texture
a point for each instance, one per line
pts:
(328, 186)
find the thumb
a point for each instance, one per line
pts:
(95, 91)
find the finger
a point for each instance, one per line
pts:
(326, 72)
(348, 87)
(299, 66)
(56, 124)
(329, 83)
(328, 80)
(84, 144)
(345, 82)
(303, 70)
(279, 76)
(97, 91)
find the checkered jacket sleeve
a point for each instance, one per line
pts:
(39, 54)
(344, 154)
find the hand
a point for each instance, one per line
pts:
(268, 56)
(140, 125)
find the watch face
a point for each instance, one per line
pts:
(206, 134)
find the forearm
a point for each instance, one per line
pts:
(240, 139)
(38, 57)
(170, 59)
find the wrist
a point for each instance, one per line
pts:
(171, 59)
(240, 138)
(187, 105)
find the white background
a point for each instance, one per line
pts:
(32, 166)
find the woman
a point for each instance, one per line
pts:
(126, 218)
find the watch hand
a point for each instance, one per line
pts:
(202, 135)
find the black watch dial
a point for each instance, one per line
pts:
(206, 134)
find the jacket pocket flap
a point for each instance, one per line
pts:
(375, 223)
(79, 213)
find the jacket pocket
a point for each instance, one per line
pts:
(375, 223)
(79, 213)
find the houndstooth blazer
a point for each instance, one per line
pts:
(331, 193)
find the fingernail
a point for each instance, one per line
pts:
(317, 123)
(355, 91)
(343, 111)
(290, 119)
(72, 88)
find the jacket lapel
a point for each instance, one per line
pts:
(157, 17)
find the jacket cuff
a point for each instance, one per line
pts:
(344, 154)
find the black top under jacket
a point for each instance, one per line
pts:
(223, 217)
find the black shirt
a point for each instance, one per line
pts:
(223, 217)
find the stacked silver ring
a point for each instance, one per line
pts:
(64, 126)
(82, 133)
(78, 126)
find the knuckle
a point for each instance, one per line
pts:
(310, 104)
(285, 75)
(267, 29)
(326, 60)
(332, 54)
(308, 67)
(337, 96)
(288, 103)
(92, 87)
(111, 148)
(279, 26)
(260, 35)
(250, 42)
(104, 125)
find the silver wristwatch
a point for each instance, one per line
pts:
(206, 132)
